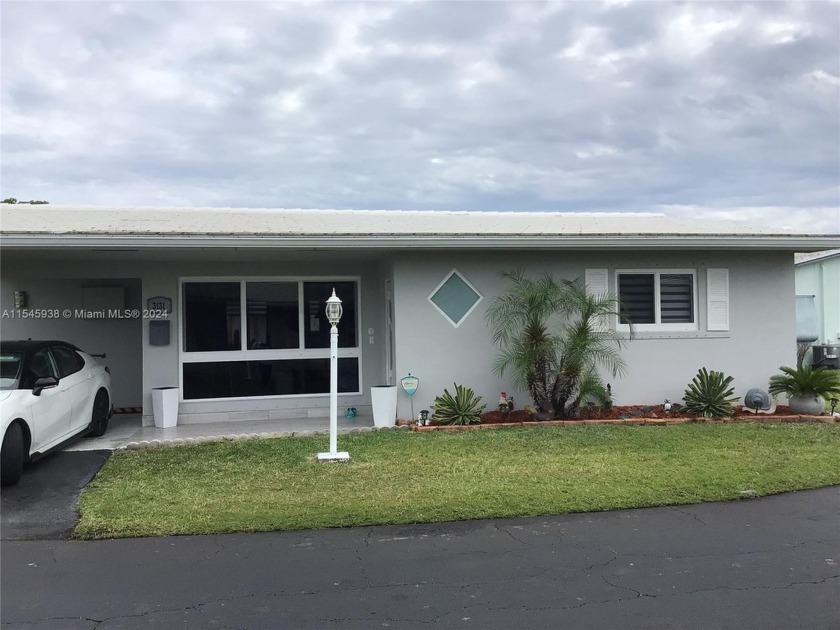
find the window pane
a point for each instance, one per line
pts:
(676, 298)
(234, 379)
(69, 361)
(211, 316)
(272, 315)
(9, 367)
(317, 331)
(638, 301)
(40, 365)
(455, 298)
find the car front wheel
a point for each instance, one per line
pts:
(99, 418)
(11, 455)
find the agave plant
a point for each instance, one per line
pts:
(710, 394)
(806, 381)
(462, 408)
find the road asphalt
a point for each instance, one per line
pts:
(762, 563)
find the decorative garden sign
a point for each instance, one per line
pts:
(410, 384)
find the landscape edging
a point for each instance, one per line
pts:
(635, 422)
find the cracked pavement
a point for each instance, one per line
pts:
(758, 563)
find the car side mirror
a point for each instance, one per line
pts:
(43, 383)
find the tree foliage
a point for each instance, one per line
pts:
(552, 339)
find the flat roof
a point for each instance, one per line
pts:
(23, 225)
(802, 259)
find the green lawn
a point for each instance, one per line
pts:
(403, 477)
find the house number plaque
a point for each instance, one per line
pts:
(159, 304)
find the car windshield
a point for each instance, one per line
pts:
(9, 369)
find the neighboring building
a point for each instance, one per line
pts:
(818, 274)
(245, 336)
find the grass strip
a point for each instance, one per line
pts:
(401, 477)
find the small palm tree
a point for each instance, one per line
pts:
(552, 340)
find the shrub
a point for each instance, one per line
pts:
(805, 381)
(462, 408)
(710, 394)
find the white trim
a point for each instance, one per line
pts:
(647, 242)
(717, 299)
(266, 354)
(658, 326)
(446, 278)
(596, 282)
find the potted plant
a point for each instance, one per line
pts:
(806, 387)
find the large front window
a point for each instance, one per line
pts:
(657, 300)
(265, 337)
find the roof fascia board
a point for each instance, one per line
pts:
(797, 243)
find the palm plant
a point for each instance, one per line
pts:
(552, 340)
(806, 381)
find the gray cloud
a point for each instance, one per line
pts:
(725, 110)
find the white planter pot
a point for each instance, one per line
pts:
(165, 406)
(383, 399)
(807, 405)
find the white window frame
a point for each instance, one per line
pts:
(266, 354)
(658, 326)
(466, 315)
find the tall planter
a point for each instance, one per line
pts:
(165, 406)
(383, 399)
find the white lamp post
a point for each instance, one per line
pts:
(334, 311)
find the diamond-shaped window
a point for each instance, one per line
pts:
(455, 298)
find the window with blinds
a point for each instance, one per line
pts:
(657, 300)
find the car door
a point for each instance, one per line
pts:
(51, 408)
(76, 383)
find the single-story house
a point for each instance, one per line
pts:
(818, 274)
(228, 304)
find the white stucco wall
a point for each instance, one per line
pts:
(160, 364)
(53, 279)
(119, 339)
(761, 335)
(821, 278)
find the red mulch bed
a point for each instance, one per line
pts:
(618, 412)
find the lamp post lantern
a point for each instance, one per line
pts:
(334, 312)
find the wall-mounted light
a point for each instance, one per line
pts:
(20, 299)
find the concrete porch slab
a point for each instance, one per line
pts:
(128, 428)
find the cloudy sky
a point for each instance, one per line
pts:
(724, 110)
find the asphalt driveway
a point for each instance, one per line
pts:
(43, 503)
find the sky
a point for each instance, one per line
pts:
(717, 110)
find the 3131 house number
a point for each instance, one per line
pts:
(159, 304)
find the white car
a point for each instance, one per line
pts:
(50, 393)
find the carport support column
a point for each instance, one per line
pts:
(334, 312)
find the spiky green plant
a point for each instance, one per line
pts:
(710, 394)
(462, 408)
(551, 338)
(805, 381)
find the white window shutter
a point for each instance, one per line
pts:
(596, 281)
(717, 299)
